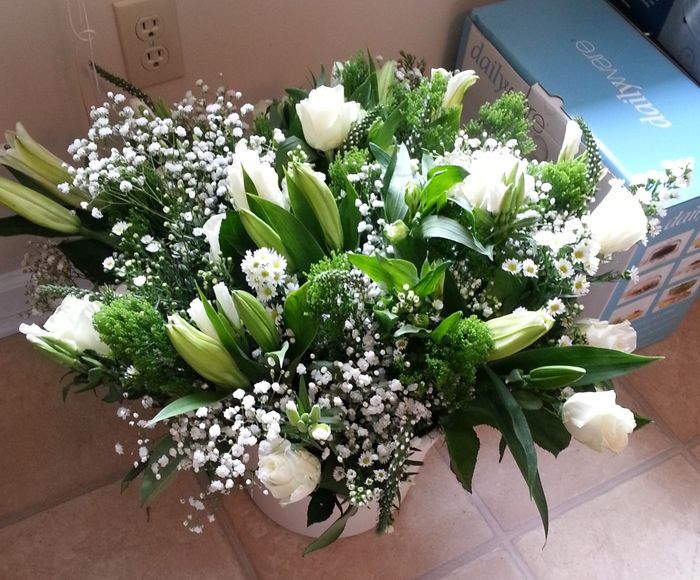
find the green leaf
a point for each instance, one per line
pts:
(188, 403)
(380, 155)
(382, 131)
(300, 320)
(511, 422)
(445, 326)
(304, 401)
(435, 226)
(463, 447)
(132, 474)
(600, 363)
(332, 533)
(286, 147)
(548, 431)
(321, 506)
(349, 217)
(18, 226)
(527, 399)
(248, 184)
(233, 239)
(641, 421)
(397, 177)
(302, 248)
(389, 272)
(150, 486)
(555, 376)
(440, 180)
(431, 281)
(409, 329)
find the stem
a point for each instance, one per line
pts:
(103, 237)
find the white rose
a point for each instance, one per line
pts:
(605, 335)
(618, 222)
(261, 173)
(597, 421)
(289, 474)
(485, 186)
(326, 117)
(572, 141)
(71, 324)
(211, 229)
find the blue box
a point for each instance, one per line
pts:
(648, 15)
(582, 58)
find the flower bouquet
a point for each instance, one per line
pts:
(288, 300)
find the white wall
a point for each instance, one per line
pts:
(260, 47)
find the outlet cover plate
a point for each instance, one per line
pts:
(148, 27)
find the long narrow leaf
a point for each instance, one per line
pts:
(188, 403)
(435, 226)
(332, 533)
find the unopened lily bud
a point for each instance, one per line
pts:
(320, 198)
(514, 332)
(26, 156)
(292, 412)
(257, 320)
(225, 301)
(38, 208)
(572, 141)
(457, 86)
(204, 354)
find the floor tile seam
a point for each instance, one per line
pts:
(471, 555)
(229, 532)
(519, 560)
(65, 498)
(591, 494)
(659, 421)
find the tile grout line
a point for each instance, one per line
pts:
(38, 508)
(231, 535)
(499, 540)
(597, 491)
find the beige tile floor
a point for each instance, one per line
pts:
(635, 516)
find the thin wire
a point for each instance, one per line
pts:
(84, 33)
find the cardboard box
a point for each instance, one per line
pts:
(582, 58)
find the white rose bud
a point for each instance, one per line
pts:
(597, 421)
(605, 335)
(572, 141)
(262, 174)
(485, 185)
(211, 229)
(618, 222)
(71, 324)
(289, 474)
(321, 431)
(326, 118)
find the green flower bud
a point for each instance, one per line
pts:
(321, 200)
(204, 354)
(315, 415)
(37, 208)
(261, 233)
(514, 332)
(292, 412)
(257, 320)
(396, 232)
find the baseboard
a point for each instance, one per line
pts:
(13, 302)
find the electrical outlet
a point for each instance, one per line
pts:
(150, 39)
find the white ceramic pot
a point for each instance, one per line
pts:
(293, 516)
